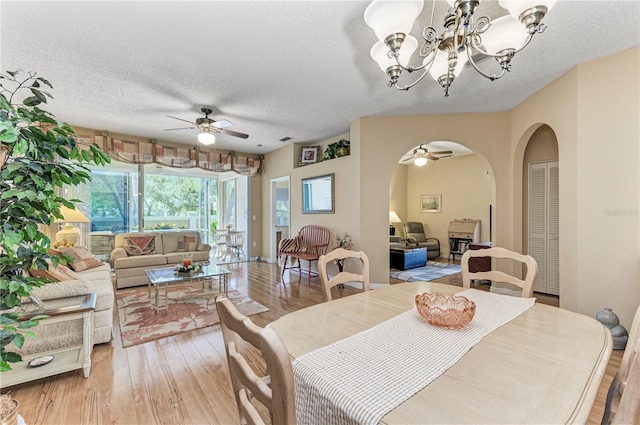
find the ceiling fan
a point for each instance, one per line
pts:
(208, 127)
(421, 154)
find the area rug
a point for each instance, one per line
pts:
(433, 270)
(190, 307)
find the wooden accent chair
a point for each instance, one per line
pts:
(498, 276)
(342, 277)
(309, 244)
(626, 381)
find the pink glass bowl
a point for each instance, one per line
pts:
(447, 311)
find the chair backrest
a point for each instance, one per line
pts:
(236, 238)
(278, 396)
(219, 235)
(414, 229)
(235, 327)
(498, 276)
(315, 238)
(620, 383)
(342, 277)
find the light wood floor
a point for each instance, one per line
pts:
(182, 379)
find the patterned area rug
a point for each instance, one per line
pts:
(433, 270)
(190, 307)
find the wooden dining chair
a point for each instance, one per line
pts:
(621, 382)
(235, 327)
(498, 276)
(279, 396)
(343, 277)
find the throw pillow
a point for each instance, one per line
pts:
(187, 243)
(82, 259)
(294, 244)
(59, 274)
(140, 245)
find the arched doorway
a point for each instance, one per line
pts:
(540, 208)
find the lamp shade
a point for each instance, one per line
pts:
(441, 65)
(516, 7)
(420, 161)
(71, 216)
(379, 53)
(393, 217)
(504, 33)
(387, 17)
(206, 138)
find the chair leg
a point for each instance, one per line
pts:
(309, 274)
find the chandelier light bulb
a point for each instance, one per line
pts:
(206, 138)
(420, 161)
(504, 33)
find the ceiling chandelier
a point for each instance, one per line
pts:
(464, 38)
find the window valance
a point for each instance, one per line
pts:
(152, 151)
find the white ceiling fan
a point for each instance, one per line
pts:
(208, 127)
(421, 155)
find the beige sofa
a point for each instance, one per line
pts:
(52, 336)
(136, 252)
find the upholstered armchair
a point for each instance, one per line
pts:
(414, 234)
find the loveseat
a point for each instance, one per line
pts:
(136, 252)
(96, 277)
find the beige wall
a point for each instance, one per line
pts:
(542, 147)
(466, 186)
(398, 195)
(595, 119)
(346, 172)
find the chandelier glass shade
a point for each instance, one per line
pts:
(464, 39)
(206, 137)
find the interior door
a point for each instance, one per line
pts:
(544, 243)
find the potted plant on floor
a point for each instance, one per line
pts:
(38, 156)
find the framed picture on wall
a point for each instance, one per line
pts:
(309, 154)
(431, 203)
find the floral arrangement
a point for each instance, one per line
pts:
(344, 241)
(191, 268)
(62, 243)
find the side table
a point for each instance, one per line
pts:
(65, 359)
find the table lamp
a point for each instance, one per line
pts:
(393, 218)
(69, 231)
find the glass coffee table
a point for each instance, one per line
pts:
(168, 276)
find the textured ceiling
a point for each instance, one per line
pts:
(274, 69)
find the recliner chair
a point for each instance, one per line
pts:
(414, 234)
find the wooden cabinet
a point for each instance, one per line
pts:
(462, 232)
(479, 264)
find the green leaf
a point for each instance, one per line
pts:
(4, 366)
(39, 95)
(18, 341)
(32, 101)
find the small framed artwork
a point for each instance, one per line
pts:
(309, 154)
(431, 203)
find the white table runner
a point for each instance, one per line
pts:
(360, 379)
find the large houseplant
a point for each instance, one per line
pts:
(38, 155)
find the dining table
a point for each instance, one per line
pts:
(543, 365)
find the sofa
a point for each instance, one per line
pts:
(415, 237)
(139, 251)
(69, 283)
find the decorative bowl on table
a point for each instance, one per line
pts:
(446, 311)
(192, 268)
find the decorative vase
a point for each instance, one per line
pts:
(618, 333)
(608, 318)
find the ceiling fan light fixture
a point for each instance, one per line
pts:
(420, 161)
(206, 137)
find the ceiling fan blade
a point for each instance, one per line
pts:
(232, 133)
(406, 160)
(441, 153)
(221, 124)
(176, 118)
(432, 158)
(181, 128)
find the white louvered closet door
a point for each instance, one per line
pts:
(544, 221)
